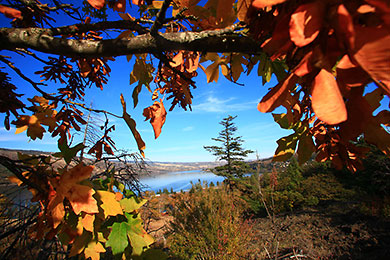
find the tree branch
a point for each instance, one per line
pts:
(225, 40)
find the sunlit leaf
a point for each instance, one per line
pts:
(306, 23)
(277, 94)
(131, 204)
(93, 250)
(327, 102)
(373, 53)
(286, 148)
(109, 204)
(117, 239)
(157, 115)
(98, 4)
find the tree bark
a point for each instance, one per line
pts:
(206, 41)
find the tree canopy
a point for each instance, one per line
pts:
(318, 50)
(324, 54)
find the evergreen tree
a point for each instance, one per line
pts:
(229, 150)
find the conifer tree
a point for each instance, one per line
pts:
(229, 150)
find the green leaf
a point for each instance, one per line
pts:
(139, 239)
(117, 239)
(131, 204)
(68, 153)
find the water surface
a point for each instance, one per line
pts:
(178, 180)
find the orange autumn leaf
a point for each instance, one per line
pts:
(157, 115)
(79, 196)
(327, 102)
(306, 23)
(277, 95)
(345, 26)
(10, 12)
(31, 124)
(373, 53)
(350, 75)
(97, 4)
(87, 221)
(359, 115)
(265, 3)
(57, 210)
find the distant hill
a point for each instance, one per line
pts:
(152, 167)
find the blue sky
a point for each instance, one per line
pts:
(185, 132)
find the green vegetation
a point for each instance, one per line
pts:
(323, 212)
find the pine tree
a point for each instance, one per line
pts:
(230, 150)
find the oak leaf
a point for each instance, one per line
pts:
(327, 102)
(87, 221)
(277, 95)
(79, 196)
(109, 204)
(373, 53)
(306, 23)
(157, 115)
(93, 250)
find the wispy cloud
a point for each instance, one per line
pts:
(188, 128)
(216, 105)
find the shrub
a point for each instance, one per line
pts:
(207, 225)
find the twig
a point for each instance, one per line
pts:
(160, 18)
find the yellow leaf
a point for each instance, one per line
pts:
(87, 221)
(93, 250)
(130, 204)
(109, 204)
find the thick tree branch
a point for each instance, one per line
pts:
(225, 40)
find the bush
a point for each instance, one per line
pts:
(207, 225)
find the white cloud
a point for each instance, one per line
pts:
(188, 128)
(216, 105)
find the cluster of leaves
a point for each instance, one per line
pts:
(87, 216)
(330, 61)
